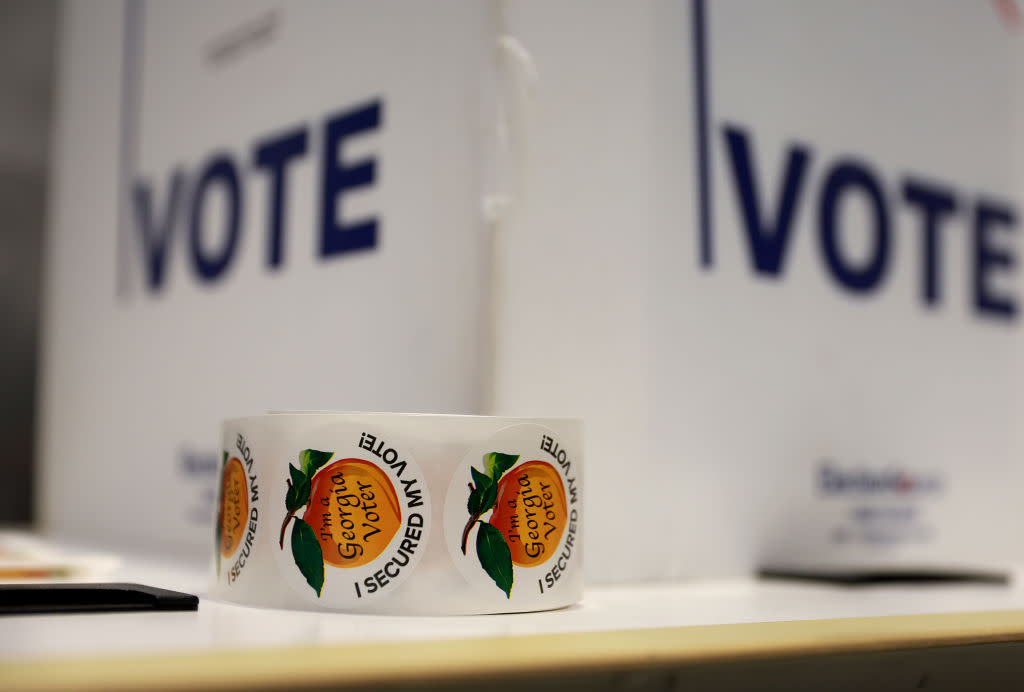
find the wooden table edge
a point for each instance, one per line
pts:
(347, 665)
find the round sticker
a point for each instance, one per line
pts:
(355, 516)
(238, 516)
(512, 516)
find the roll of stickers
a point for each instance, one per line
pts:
(400, 513)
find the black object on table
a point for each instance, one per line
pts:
(43, 599)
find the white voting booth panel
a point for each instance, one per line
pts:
(768, 251)
(255, 206)
(779, 280)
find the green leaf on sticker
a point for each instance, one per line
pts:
(482, 498)
(473, 504)
(308, 555)
(313, 460)
(494, 556)
(481, 481)
(490, 496)
(225, 461)
(297, 494)
(496, 463)
(297, 476)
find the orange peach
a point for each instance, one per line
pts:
(354, 511)
(234, 506)
(531, 512)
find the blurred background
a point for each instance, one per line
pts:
(767, 250)
(27, 61)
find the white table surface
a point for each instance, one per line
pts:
(224, 626)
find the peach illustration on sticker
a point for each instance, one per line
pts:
(237, 511)
(350, 514)
(526, 515)
(232, 509)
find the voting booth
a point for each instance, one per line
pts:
(767, 251)
(254, 207)
(774, 251)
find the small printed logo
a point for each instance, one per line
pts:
(237, 513)
(359, 519)
(833, 480)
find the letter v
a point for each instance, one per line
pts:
(767, 243)
(156, 233)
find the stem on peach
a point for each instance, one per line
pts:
(472, 520)
(288, 518)
(465, 532)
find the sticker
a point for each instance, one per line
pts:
(355, 516)
(238, 516)
(512, 514)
